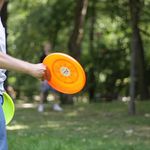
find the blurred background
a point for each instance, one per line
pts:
(102, 35)
(111, 40)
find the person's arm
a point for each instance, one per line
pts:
(10, 63)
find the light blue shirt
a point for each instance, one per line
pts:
(2, 49)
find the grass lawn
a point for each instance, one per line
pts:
(100, 126)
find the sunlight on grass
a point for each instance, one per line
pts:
(17, 127)
(25, 105)
(72, 114)
(100, 126)
(51, 124)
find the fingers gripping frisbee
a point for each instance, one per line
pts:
(8, 108)
(66, 74)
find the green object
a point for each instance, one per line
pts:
(8, 107)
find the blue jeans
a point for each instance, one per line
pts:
(3, 137)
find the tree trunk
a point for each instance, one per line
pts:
(75, 40)
(91, 43)
(142, 83)
(137, 57)
(135, 7)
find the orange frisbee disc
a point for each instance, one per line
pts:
(66, 74)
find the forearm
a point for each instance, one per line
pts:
(11, 63)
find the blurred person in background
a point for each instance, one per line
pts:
(45, 88)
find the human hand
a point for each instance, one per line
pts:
(47, 74)
(38, 71)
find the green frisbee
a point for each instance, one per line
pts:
(8, 107)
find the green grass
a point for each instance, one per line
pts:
(100, 126)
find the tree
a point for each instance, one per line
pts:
(92, 81)
(75, 40)
(137, 57)
(103, 48)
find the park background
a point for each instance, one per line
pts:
(111, 41)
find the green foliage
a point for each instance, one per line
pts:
(31, 23)
(110, 56)
(36, 24)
